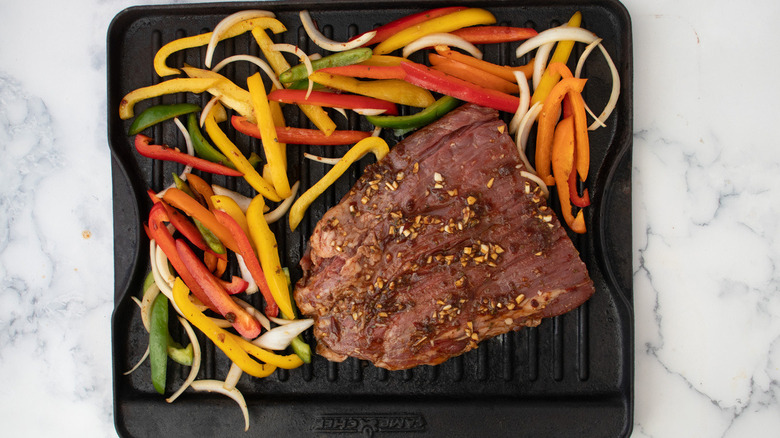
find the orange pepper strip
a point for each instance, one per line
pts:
(562, 162)
(189, 205)
(501, 71)
(547, 119)
(203, 188)
(471, 74)
(575, 105)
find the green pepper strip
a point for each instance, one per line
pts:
(179, 354)
(158, 113)
(158, 342)
(298, 345)
(202, 147)
(347, 57)
(428, 115)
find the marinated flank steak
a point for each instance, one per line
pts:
(437, 247)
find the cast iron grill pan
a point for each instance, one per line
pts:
(571, 376)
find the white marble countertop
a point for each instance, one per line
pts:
(706, 219)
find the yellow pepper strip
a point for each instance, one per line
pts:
(369, 144)
(268, 253)
(562, 51)
(168, 87)
(203, 39)
(230, 94)
(223, 339)
(278, 116)
(383, 61)
(391, 90)
(445, 23)
(265, 123)
(235, 156)
(286, 362)
(276, 60)
(229, 206)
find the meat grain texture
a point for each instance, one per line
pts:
(438, 247)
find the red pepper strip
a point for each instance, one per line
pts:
(301, 135)
(367, 71)
(162, 152)
(332, 100)
(547, 118)
(191, 207)
(393, 27)
(471, 74)
(153, 196)
(244, 323)
(164, 240)
(494, 34)
(236, 285)
(580, 201)
(250, 259)
(439, 82)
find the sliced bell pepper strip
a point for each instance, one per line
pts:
(446, 23)
(158, 342)
(270, 141)
(159, 232)
(229, 94)
(162, 152)
(250, 259)
(229, 206)
(178, 85)
(246, 324)
(502, 71)
(562, 163)
(494, 34)
(231, 151)
(159, 113)
(203, 39)
(200, 186)
(391, 90)
(188, 229)
(384, 61)
(318, 116)
(333, 100)
(287, 362)
(385, 31)
(574, 195)
(371, 144)
(202, 147)
(433, 80)
(367, 71)
(561, 54)
(546, 126)
(279, 123)
(211, 240)
(268, 253)
(471, 74)
(346, 57)
(439, 108)
(301, 135)
(192, 208)
(223, 339)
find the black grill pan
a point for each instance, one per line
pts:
(571, 376)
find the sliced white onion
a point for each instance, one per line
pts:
(328, 44)
(146, 304)
(377, 131)
(533, 177)
(369, 111)
(441, 39)
(227, 23)
(207, 109)
(614, 94)
(233, 376)
(247, 276)
(218, 386)
(254, 312)
(342, 112)
(317, 158)
(158, 279)
(315, 56)
(295, 50)
(162, 267)
(256, 61)
(521, 137)
(281, 321)
(525, 101)
(281, 210)
(190, 148)
(135, 367)
(242, 201)
(196, 359)
(540, 63)
(562, 33)
(279, 338)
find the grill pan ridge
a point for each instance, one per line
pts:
(571, 376)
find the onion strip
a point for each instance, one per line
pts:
(441, 39)
(247, 276)
(317, 158)
(279, 338)
(281, 210)
(326, 43)
(533, 177)
(226, 24)
(196, 359)
(233, 376)
(241, 200)
(564, 33)
(540, 62)
(254, 312)
(218, 386)
(295, 50)
(369, 111)
(525, 101)
(207, 109)
(135, 367)
(614, 94)
(524, 129)
(254, 60)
